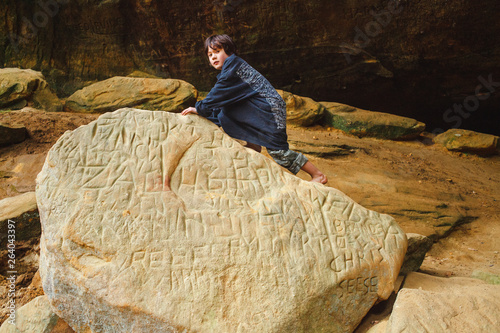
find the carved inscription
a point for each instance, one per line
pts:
(360, 285)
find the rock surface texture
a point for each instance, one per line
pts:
(20, 87)
(157, 222)
(119, 92)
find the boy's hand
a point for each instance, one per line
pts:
(188, 111)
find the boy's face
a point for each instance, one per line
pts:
(217, 57)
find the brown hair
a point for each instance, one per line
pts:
(217, 42)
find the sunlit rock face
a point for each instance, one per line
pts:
(411, 58)
(21, 87)
(157, 222)
(143, 93)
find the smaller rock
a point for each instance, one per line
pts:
(21, 209)
(418, 246)
(143, 75)
(20, 87)
(466, 141)
(36, 316)
(10, 135)
(15, 206)
(144, 93)
(302, 111)
(364, 123)
(434, 304)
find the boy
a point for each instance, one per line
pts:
(248, 108)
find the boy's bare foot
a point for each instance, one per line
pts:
(316, 175)
(320, 179)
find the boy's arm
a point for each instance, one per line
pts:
(223, 93)
(229, 89)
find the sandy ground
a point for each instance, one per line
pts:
(451, 197)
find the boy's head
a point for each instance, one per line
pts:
(217, 42)
(218, 48)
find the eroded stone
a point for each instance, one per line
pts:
(20, 86)
(146, 93)
(364, 123)
(466, 141)
(154, 221)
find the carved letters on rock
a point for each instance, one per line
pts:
(157, 222)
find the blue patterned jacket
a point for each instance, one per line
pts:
(250, 108)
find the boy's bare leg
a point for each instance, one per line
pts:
(253, 146)
(317, 176)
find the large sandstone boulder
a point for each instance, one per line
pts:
(362, 123)
(466, 141)
(157, 222)
(302, 111)
(20, 87)
(455, 305)
(146, 93)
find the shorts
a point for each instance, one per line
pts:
(288, 159)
